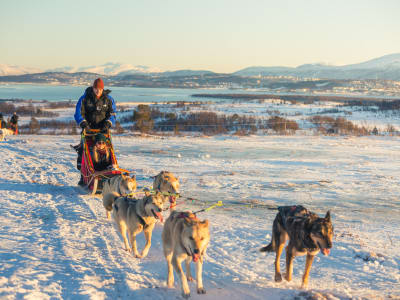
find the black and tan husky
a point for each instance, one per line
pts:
(307, 234)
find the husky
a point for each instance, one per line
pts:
(4, 132)
(133, 216)
(117, 186)
(166, 182)
(307, 234)
(185, 237)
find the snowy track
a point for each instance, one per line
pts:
(55, 241)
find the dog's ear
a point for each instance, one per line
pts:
(328, 215)
(148, 199)
(188, 221)
(133, 176)
(205, 223)
(308, 225)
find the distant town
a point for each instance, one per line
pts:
(268, 84)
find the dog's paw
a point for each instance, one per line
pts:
(144, 254)
(278, 277)
(201, 290)
(190, 278)
(287, 278)
(128, 250)
(137, 255)
(186, 296)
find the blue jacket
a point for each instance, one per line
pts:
(95, 111)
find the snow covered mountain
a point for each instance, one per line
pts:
(109, 68)
(16, 70)
(389, 61)
(385, 67)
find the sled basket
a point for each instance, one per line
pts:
(92, 178)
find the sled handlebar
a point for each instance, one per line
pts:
(92, 132)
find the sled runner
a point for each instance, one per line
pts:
(93, 178)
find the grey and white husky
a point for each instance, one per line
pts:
(185, 238)
(133, 216)
(117, 186)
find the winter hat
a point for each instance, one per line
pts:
(100, 138)
(98, 83)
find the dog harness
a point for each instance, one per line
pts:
(299, 214)
(183, 247)
(141, 220)
(131, 200)
(189, 215)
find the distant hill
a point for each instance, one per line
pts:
(385, 67)
(186, 73)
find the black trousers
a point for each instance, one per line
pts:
(79, 159)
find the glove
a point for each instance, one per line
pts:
(83, 124)
(106, 126)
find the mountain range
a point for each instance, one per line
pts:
(386, 67)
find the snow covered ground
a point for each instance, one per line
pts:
(55, 241)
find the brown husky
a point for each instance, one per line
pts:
(307, 234)
(133, 216)
(166, 182)
(185, 237)
(117, 186)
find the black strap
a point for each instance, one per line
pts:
(159, 185)
(141, 220)
(134, 200)
(119, 189)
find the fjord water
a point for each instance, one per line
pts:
(120, 94)
(69, 92)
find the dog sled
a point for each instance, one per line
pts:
(92, 178)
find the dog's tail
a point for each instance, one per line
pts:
(269, 248)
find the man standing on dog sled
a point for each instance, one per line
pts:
(95, 110)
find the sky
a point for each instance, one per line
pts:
(215, 35)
